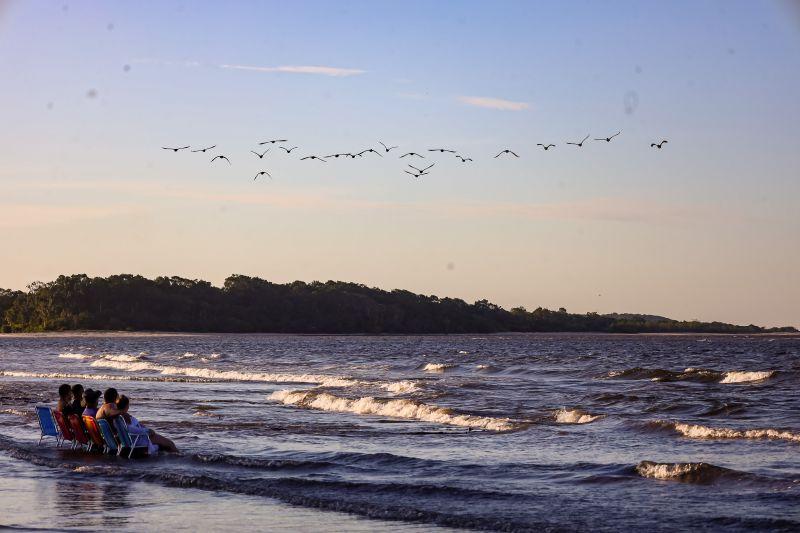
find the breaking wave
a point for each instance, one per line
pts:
(437, 367)
(693, 374)
(93, 377)
(686, 472)
(226, 375)
(69, 355)
(401, 387)
(407, 409)
(696, 431)
(575, 416)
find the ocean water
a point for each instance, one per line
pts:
(361, 433)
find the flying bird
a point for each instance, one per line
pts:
(221, 157)
(506, 151)
(422, 170)
(441, 150)
(312, 157)
(260, 156)
(464, 159)
(369, 150)
(337, 156)
(175, 149)
(659, 145)
(416, 175)
(387, 148)
(273, 141)
(287, 150)
(203, 149)
(262, 173)
(608, 139)
(412, 153)
(545, 146)
(580, 144)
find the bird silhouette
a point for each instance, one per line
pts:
(411, 153)
(263, 172)
(659, 145)
(337, 156)
(506, 151)
(204, 149)
(441, 150)
(287, 150)
(422, 170)
(174, 149)
(221, 157)
(415, 174)
(464, 159)
(260, 156)
(273, 141)
(369, 150)
(580, 144)
(387, 148)
(312, 157)
(608, 139)
(545, 146)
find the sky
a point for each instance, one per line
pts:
(706, 228)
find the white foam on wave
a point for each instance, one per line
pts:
(575, 416)
(70, 355)
(17, 412)
(652, 470)
(463, 352)
(94, 377)
(743, 376)
(396, 408)
(401, 387)
(227, 375)
(696, 431)
(437, 367)
(122, 358)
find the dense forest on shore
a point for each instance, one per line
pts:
(246, 304)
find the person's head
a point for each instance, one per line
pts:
(77, 392)
(65, 392)
(122, 404)
(110, 395)
(90, 398)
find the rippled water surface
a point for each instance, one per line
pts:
(357, 433)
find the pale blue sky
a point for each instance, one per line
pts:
(705, 228)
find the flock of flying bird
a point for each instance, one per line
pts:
(415, 171)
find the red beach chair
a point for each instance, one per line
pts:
(93, 430)
(77, 430)
(66, 432)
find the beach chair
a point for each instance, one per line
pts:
(94, 433)
(109, 439)
(128, 441)
(78, 432)
(66, 432)
(47, 424)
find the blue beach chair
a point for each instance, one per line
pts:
(108, 437)
(47, 424)
(128, 441)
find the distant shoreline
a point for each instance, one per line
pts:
(244, 304)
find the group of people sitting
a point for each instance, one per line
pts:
(75, 400)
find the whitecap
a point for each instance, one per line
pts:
(70, 355)
(743, 376)
(396, 408)
(437, 367)
(575, 416)
(696, 431)
(401, 387)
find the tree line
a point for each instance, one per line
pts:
(246, 304)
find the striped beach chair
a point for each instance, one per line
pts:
(64, 429)
(110, 441)
(128, 441)
(93, 431)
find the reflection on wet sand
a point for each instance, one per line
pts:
(93, 503)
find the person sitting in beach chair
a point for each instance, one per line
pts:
(64, 400)
(90, 399)
(109, 408)
(77, 400)
(158, 442)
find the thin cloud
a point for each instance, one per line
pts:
(493, 103)
(300, 69)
